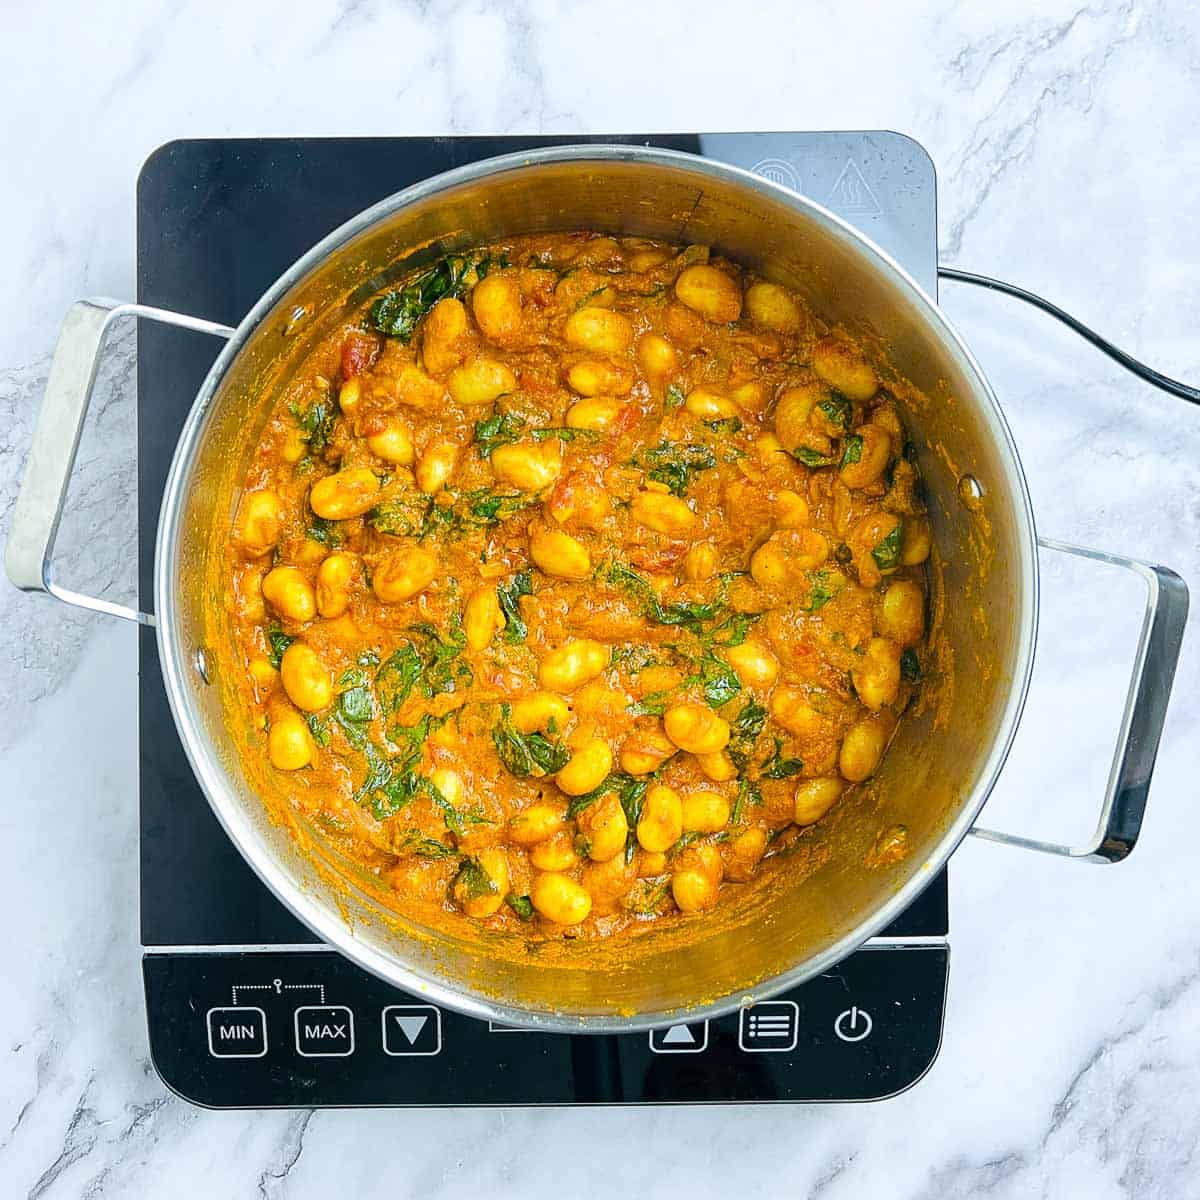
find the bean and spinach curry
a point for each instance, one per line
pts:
(575, 578)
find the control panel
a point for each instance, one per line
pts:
(309, 1028)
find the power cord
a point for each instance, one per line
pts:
(1151, 376)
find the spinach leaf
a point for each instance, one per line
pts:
(820, 591)
(402, 517)
(490, 508)
(562, 433)
(278, 641)
(653, 705)
(853, 451)
(416, 843)
(441, 669)
(674, 396)
(910, 666)
(734, 630)
(526, 754)
(717, 680)
(396, 678)
(674, 464)
(319, 729)
(515, 628)
(727, 426)
(812, 458)
(324, 531)
(500, 429)
(648, 897)
(467, 511)
(454, 821)
(473, 881)
(777, 767)
(316, 424)
(743, 732)
(397, 312)
(748, 793)
(836, 409)
(521, 905)
(692, 615)
(356, 705)
(887, 553)
(630, 792)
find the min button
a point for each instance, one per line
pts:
(324, 1031)
(239, 1032)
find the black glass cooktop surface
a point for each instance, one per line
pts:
(245, 1007)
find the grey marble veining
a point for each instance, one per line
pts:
(1069, 161)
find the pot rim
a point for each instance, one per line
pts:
(174, 658)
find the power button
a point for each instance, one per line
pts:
(853, 1024)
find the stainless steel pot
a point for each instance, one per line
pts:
(945, 760)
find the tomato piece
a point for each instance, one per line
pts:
(359, 351)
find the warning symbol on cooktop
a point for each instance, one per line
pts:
(688, 1038)
(851, 195)
(412, 1030)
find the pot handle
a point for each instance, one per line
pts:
(1142, 722)
(28, 556)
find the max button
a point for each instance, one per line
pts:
(324, 1031)
(237, 1032)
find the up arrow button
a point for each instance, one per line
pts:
(412, 1030)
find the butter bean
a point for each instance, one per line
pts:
(773, 306)
(289, 743)
(480, 892)
(393, 443)
(708, 405)
(862, 748)
(705, 812)
(480, 382)
(540, 711)
(529, 468)
(306, 679)
(443, 336)
(600, 330)
(535, 824)
(696, 728)
(260, 522)
(482, 618)
(656, 356)
(586, 769)
(496, 303)
(815, 797)
(559, 554)
(291, 595)
(663, 513)
(404, 573)
(604, 828)
(660, 825)
(436, 466)
(560, 899)
(710, 292)
(572, 665)
(842, 366)
(597, 377)
(347, 494)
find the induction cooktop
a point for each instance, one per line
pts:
(245, 1007)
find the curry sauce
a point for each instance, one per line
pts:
(576, 577)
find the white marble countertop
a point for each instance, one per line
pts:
(1069, 160)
